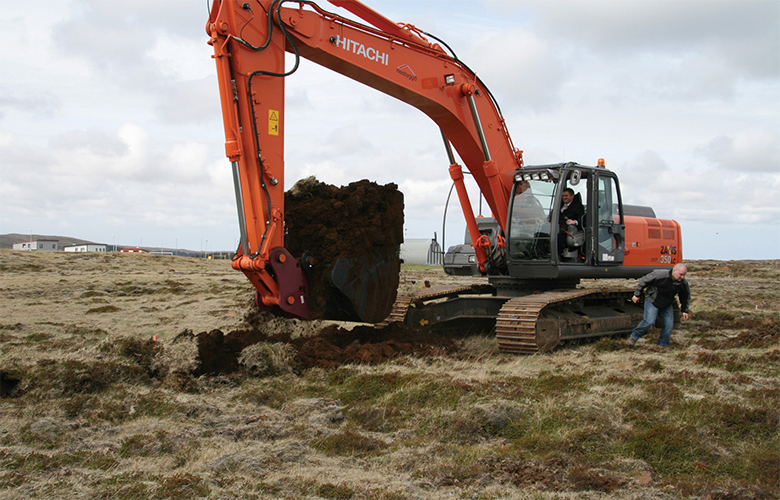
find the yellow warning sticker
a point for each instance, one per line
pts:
(273, 122)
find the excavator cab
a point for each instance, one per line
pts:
(534, 304)
(540, 242)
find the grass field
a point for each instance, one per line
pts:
(91, 407)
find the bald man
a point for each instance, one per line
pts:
(660, 287)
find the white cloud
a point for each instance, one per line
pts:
(755, 150)
(521, 64)
(425, 194)
(699, 193)
(325, 171)
(90, 141)
(36, 104)
(180, 59)
(344, 142)
(703, 48)
(187, 102)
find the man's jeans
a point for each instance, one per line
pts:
(651, 313)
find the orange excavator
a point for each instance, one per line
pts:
(533, 258)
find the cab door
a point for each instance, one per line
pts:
(610, 231)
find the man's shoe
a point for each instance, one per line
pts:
(632, 341)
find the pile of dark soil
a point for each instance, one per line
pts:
(335, 346)
(330, 348)
(362, 222)
(343, 222)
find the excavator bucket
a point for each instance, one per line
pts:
(369, 284)
(351, 239)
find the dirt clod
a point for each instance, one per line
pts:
(8, 384)
(219, 353)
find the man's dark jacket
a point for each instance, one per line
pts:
(574, 211)
(661, 289)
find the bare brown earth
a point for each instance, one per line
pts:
(140, 376)
(329, 348)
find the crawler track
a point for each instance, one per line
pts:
(403, 302)
(524, 325)
(516, 325)
(539, 322)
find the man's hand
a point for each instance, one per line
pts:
(685, 316)
(635, 299)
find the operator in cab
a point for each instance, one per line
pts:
(571, 215)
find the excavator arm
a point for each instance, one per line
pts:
(250, 40)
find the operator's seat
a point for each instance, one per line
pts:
(575, 239)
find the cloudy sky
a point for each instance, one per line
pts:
(110, 127)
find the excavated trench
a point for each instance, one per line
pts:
(331, 347)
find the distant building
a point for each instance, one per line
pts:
(36, 245)
(132, 250)
(86, 247)
(421, 251)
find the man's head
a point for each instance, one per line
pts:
(568, 195)
(679, 271)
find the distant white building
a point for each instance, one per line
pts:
(420, 251)
(36, 245)
(86, 247)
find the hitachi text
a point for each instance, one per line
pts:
(361, 50)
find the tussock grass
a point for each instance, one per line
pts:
(266, 360)
(349, 443)
(103, 310)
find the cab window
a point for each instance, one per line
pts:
(529, 225)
